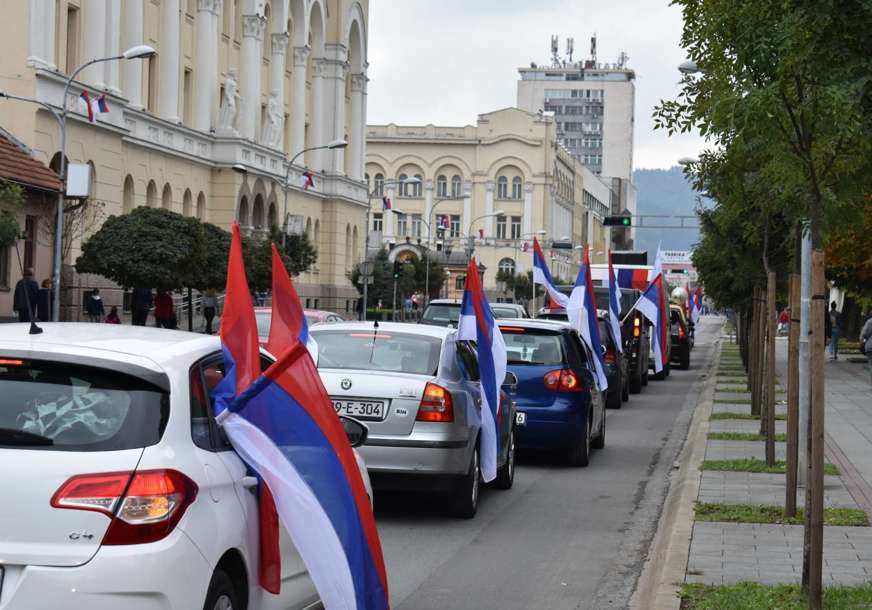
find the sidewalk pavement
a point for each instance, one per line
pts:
(723, 553)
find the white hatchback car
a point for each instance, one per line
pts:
(119, 490)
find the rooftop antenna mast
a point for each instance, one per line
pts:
(623, 58)
(555, 57)
(593, 48)
(570, 47)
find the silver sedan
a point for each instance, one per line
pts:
(416, 388)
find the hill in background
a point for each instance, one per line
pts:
(659, 192)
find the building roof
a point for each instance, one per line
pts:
(18, 165)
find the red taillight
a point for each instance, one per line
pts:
(144, 506)
(680, 332)
(436, 404)
(637, 327)
(564, 380)
(609, 357)
(11, 362)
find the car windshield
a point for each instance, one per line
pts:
(442, 312)
(505, 313)
(263, 320)
(378, 351)
(66, 407)
(533, 347)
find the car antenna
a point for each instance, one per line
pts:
(374, 336)
(34, 329)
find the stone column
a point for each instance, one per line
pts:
(489, 209)
(169, 61)
(389, 216)
(249, 74)
(279, 50)
(93, 41)
(527, 219)
(42, 34)
(131, 35)
(467, 209)
(206, 66)
(317, 119)
(112, 69)
(428, 209)
(337, 76)
(298, 103)
(357, 137)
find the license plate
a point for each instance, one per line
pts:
(373, 410)
(520, 418)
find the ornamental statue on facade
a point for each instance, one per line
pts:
(227, 115)
(271, 135)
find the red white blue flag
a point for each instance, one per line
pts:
(582, 315)
(697, 305)
(652, 305)
(308, 180)
(93, 107)
(615, 306)
(542, 276)
(386, 203)
(287, 318)
(477, 324)
(282, 424)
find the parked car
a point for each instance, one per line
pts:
(680, 337)
(509, 311)
(634, 334)
(263, 316)
(126, 491)
(616, 364)
(442, 312)
(416, 387)
(560, 408)
(557, 314)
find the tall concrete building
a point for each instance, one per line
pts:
(593, 106)
(208, 125)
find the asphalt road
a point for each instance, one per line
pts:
(561, 538)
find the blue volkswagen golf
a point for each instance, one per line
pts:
(559, 406)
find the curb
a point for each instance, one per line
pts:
(666, 564)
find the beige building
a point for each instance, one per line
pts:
(493, 186)
(206, 126)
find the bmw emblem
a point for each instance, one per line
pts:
(345, 384)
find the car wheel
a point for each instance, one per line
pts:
(668, 369)
(685, 359)
(636, 383)
(579, 455)
(625, 390)
(221, 594)
(600, 441)
(465, 501)
(645, 378)
(506, 474)
(613, 399)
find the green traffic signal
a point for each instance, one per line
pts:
(625, 221)
(617, 221)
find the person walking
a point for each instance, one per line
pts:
(164, 311)
(783, 320)
(141, 302)
(866, 341)
(94, 306)
(835, 331)
(43, 302)
(210, 308)
(112, 317)
(24, 300)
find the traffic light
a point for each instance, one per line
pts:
(396, 270)
(618, 221)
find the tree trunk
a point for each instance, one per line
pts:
(770, 369)
(792, 397)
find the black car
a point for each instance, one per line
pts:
(634, 334)
(680, 337)
(616, 365)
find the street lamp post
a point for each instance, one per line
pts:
(427, 247)
(470, 247)
(137, 52)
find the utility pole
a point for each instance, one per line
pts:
(805, 292)
(792, 396)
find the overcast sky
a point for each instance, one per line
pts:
(446, 61)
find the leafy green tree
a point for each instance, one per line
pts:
(257, 253)
(11, 202)
(381, 288)
(413, 276)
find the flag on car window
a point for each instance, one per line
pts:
(288, 319)
(615, 306)
(282, 424)
(542, 275)
(582, 314)
(477, 324)
(652, 305)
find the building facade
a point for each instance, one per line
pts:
(593, 105)
(208, 125)
(488, 188)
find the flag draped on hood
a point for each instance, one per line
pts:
(282, 424)
(477, 324)
(582, 314)
(542, 276)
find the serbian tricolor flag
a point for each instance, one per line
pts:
(697, 305)
(615, 306)
(481, 233)
(386, 203)
(652, 305)
(287, 318)
(282, 424)
(308, 180)
(525, 247)
(633, 278)
(542, 276)
(582, 315)
(93, 107)
(477, 324)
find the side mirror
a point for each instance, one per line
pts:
(511, 379)
(356, 432)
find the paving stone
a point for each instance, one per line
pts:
(744, 425)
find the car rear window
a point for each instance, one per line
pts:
(66, 407)
(446, 313)
(532, 347)
(378, 351)
(263, 319)
(605, 336)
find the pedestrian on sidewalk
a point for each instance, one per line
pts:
(141, 302)
(43, 302)
(94, 306)
(783, 320)
(866, 341)
(835, 331)
(210, 308)
(25, 296)
(112, 317)
(164, 312)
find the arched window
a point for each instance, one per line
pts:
(201, 206)
(271, 216)
(187, 203)
(502, 187)
(257, 212)
(402, 180)
(441, 186)
(242, 217)
(129, 200)
(456, 186)
(379, 185)
(417, 187)
(347, 247)
(309, 229)
(507, 265)
(151, 194)
(517, 188)
(166, 199)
